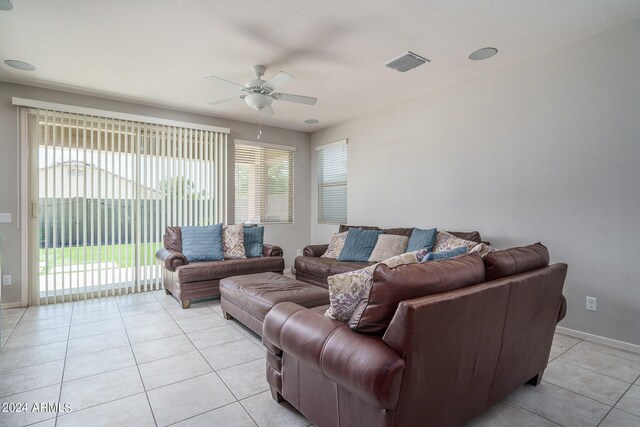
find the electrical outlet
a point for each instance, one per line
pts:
(6, 279)
(592, 303)
(5, 218)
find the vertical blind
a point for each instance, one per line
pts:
(264, 183)
(332, 183)
(105, 189)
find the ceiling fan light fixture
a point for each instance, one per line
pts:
(258, 101)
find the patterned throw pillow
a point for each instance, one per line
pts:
(388, 246)
(348, 291)
(335, 245)
(233, 241)
(446, 241)
(482, 249)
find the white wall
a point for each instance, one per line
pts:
(547, 150)
(290, 236)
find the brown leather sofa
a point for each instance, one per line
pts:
(443, 359)
(187, 281)
(311, 268)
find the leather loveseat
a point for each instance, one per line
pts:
(187, 281)
(312, 268)
(443, 359)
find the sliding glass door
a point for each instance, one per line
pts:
(103, 190)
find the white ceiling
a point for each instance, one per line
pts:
(158, 52)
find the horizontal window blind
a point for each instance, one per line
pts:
(332, 183)
(105, 189)
(264, 184)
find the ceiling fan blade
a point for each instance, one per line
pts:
(309, 100)
(229, 82)
(222, 101)
(268, 110)
(278, 80)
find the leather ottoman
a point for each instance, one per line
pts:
(248, 298)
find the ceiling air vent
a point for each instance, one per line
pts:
(406, 62)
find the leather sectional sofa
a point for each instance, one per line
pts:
(312, 268)
(187, 281)
(486, 329)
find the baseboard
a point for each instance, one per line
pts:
(11, 305)
(632, 348)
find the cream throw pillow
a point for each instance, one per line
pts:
(233, 241)
(388, 246)
(335, 245)
(446, 241)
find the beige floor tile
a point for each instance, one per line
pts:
(47, 311)
(136, 310)
(214, 336)
(164, 347)
(566, 338)
(98, 389)
(246, 379)
(617, 418)
(11, 359)
(505, 414)
(157, 318)
(47, 395)
(24, 379)
(95, 328)
(173, 369)
(92, 317)
(587, 357)
(94, 305)
(585, 382)
(232, 415)
(210, 320)
(179, 401)
(630, 402)
(268, 413)
(135, 299)
(194, 311)
(233, 353)
(633, 357)
(19, 340)
(96, 343)
(131, 411)
(43, 324)
(97, 363)
(559, 405)
(150, 333)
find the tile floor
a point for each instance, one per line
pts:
(141, 360)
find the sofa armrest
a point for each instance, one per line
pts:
(362, 364)
(314, 250)
(170, 259)
(272, 250)
(563, 308)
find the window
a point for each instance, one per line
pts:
(332, 183)
(264, 183)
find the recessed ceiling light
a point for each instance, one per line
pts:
(484, 53)
(312, 121)
(6, 5)
(20, 65)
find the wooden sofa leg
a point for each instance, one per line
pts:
(226, 315)
(536, 380)
(186, 303)
(276, 396)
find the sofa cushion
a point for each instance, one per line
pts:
(447, 241)
(344, 228)
(211, 270)
(391, 285)
(438, 256)
(315, 266)
(345, 267)
(474, 236)
(422, 239)
(387, 246)
(515, 260)
(202, 243)
(233, 241)
(399, 231)
(253, 241)
(335, 245)
(359, 244)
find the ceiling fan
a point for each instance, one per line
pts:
(261, 93)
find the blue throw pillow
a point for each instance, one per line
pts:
(202, 243)
(253, 241)
(434, 256)
(359, 244)
(422, 239)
